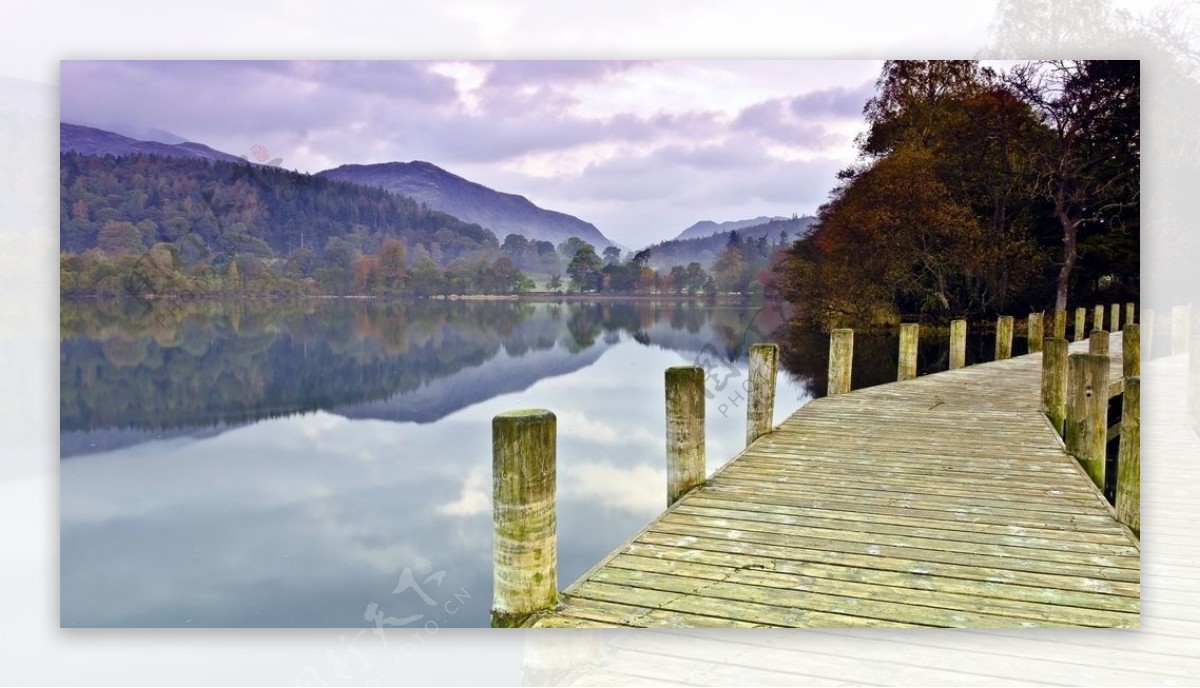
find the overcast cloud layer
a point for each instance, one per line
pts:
(640, 149)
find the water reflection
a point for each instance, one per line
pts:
(285, 464)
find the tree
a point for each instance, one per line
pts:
(571, 246)
(612, 255)
(119, 238)
(584, 269)
(555, 282)
(391, 264)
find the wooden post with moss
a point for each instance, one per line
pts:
(1098, 319)
(1034, 330)
(1131, 350)
(1087, 412)
(841, 360)
(1180, 325)
(685, 430)
(524, 520)
(958, 344)
(1080, 323)
(1054, 382)
(1129, 462)
(1060, 324)
(1130, 312)
(1098, 343)
(910, 335)
(1004, 337)
(760, 408)
(1114, 321)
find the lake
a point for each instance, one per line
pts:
(327, 463)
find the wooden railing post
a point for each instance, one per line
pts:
(524, 519)
(910, 335)
(1098, 318)
(1129, 468)
(1130, 312)
(685, 430)
(760, 409)
(1114, 323)
(1087, 412)
(841, 360)
(1180, 322)
(1148, 344)
(1080, 323)
(1060, 324)
(958, 344)
(1098, 343)
(1004, 335)
(1054, 382)
(1034, 330)
(1131, 350)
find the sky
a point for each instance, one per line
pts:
(641, 149)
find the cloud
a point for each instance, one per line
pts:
(472, 500)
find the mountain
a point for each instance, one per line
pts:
(502, 213)
(707, 228)
(91, 141)
(704, 250)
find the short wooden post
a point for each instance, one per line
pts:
(1129, 461)
(1054, 382)
(1130, 312)
(1004, 335)
(841, 360)
(760, 409)
(958, 344)
(1060, 324)
(1098, 343)
(1080, 323)
(910, 335)
(685, 430)
(1098, 319)
(1034, 329)
(1131, 350)
(1180, 322)
(524, 520)
(1148, 343)
(1114, 322)
(1087, 412)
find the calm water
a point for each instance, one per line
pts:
(328, 463)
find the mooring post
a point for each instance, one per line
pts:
(524, 519)
(1130, 312)
(1114, 322)
(910, 335)
(760, 409)
(1148, 344)
(1129, 462)
(958, 344)
(1080, 323)
(1087, 412)
(1180, 321)
(685, 430)
(841, 360)
(1098, 319)
(1098, 343)
(1131, 350)
(1054, 382)
(1004, 336)
(1060, 324)
(1035, 332)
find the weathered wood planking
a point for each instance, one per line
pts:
(947, 501)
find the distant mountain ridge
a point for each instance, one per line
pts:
(502, 213)
(705, 249)
(92, 141)
(707, 228)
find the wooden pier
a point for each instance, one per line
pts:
(946, 500)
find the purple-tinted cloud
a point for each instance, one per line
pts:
(845, 103)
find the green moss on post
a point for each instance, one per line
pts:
(1087, 412)
(958, 344)
(760, 406)
(910, 336)
(1129, 461)
(1098, 343)
(1004, 337)
(1114, 322)
(1034, 330)
(1054, 382)
(1080, 324)
(1060, 324)
(685, 430)
(1131, 350)
(524, 518)
(1130, 312)
(841, 360)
